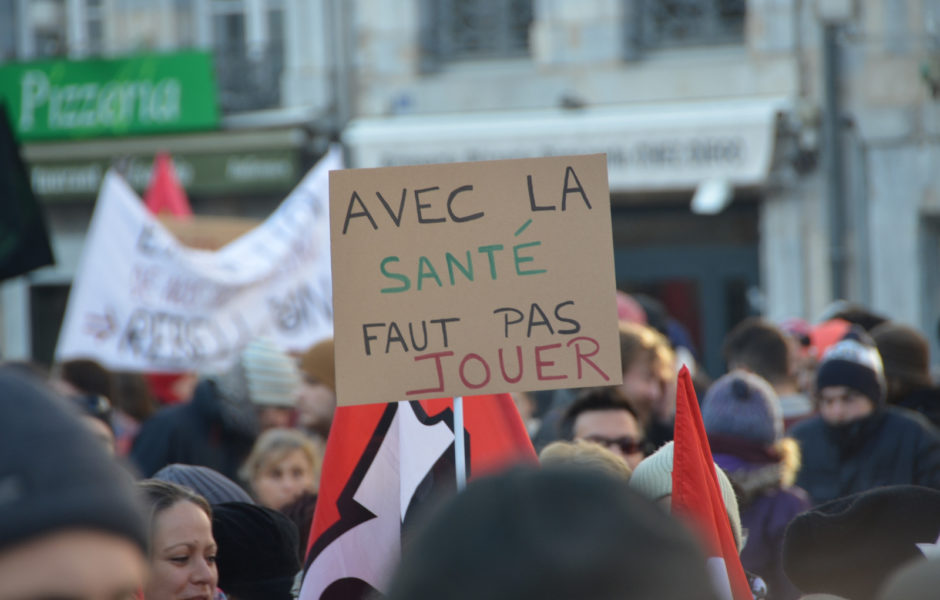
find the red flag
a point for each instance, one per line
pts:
(165, 194)
(696, 494)
(382, 462)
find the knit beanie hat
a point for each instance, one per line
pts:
(54, 474)
(257, 551)
(271, 374)
(904, 351)
(851, 546)
(744, 406)
(653, 479)
(853, 362)
(208, 483)
(319, 363)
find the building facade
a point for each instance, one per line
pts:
(764, 156)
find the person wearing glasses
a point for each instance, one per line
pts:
(604, 416)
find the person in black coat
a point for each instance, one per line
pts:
(857, 442)
(215, 429)
(906, 356)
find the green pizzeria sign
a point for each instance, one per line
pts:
(140, 94)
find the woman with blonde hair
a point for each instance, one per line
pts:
(182, 549)
(282, 466)
(581, 454)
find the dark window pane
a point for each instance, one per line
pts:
(670, 23)
(472, 29)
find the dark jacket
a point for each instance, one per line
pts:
(207, 431)
(925, 401)
(891, 446)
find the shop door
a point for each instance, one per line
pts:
(707, 288)
(47, 309)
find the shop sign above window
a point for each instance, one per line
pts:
(133, 95)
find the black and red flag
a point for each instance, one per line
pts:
(383, 463)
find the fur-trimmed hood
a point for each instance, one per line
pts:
(753, 479)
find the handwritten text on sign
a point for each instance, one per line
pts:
(472, 278)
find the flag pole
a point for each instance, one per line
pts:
(460, 455)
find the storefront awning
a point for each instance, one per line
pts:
(665, 147)
(223, 162)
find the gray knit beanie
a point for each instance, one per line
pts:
(211, 485)
(744, 406)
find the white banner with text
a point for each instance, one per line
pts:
(142, 301)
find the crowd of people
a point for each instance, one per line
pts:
(182, 486)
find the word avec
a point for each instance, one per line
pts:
(430, 206)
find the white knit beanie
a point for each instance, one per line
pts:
(653, 478)
(272, 376)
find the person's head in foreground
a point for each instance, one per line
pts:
(182, 549)
(852, 546)
(70, 523)
(551, 533)
(258, 557)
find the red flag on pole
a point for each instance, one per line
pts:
(383, 461)
(696, 494)
(165, 194)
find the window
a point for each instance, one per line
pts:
(8, 30)
(94, 19)
(248, 70)
(476, 29)
(184, 22)
(677, 23)
(47, 18)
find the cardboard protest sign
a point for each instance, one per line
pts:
(143, 301)
(470, 278)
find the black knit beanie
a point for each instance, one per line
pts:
(257, 551)
(854, 362)
(54, 474)
(850, 546)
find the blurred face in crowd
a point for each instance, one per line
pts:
(78, 564)
(839, 404)
(643, 386)
(183, 555)
(615, 429)
(316, 404)
(270, 417)
(283, 478)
